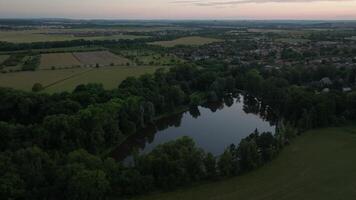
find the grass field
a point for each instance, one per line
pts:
(68, 79)
(110, 77)
(25, 80)
(188, 41)
(319, 165)
(58, 60)
(28, 36)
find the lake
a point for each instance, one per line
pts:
(213, 127)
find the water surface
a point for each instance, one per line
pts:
(213, 127)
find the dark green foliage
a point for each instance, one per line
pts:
(37, 87)
(173, 164)
(31, 64)
(54, 146)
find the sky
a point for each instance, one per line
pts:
(180, 9)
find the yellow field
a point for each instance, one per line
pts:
(58, 60)
(188, 41)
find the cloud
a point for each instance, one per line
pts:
(235, 2)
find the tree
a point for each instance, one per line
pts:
(248, 155)
(210, 166)
(37, 87)
(228, 163)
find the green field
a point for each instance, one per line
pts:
(188, 41)
(319, 165)
(68, 79)
(27, 36)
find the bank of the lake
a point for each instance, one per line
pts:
(320, 164)
(213, 127)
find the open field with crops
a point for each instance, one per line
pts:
(103, 58)
(76, 59)
(110, 77)
(68, 79)
(188, 41)
(58, 60)
(319, 165)
(28, 36)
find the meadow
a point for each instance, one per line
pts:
(320, 164)
(68, 79)
(187, 41)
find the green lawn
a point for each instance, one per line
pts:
(321, 164)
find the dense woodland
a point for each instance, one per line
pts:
(56, 146)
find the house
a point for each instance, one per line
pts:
(326, 81)
(346, 89)
(326, 90)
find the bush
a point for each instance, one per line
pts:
(37, 87)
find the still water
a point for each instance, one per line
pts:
(213, 127)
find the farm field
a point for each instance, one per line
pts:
(68, 79)
(60, 50)
(29, 36)
(65, 60)
(188, 41)
(319, 165)
(103, 58)
(25, 80)
(58, 60)
(110, 77)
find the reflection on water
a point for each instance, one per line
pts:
(213, 127)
